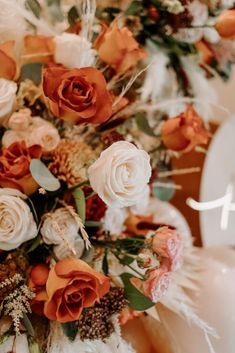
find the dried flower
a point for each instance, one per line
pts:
(70, 160)
(95, 322)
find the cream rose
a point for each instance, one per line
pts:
(120, 174)
(20, 120)
(38, 132)
(16, 220)
(7, 98)
(73, 51)
(61, 230)
(44, 134)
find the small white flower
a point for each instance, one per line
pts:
(114, 220)
(120, 174)
(7, 99)
(73, 51)
(61, 229)
(16, 220)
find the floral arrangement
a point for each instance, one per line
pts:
(94, 103)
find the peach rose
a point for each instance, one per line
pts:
(156, 285)
(77, 95)
(117, 48)
(184, 132)
(38, 49)
(73, 285)
(8, 67)
(168, 244)
(225, 24)
(14, 167)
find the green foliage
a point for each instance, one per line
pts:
(43, 176)
(32, 72)
(143, 125)
(136, 299)
(73, 15)
(105, 265)
(70, 330)
(80, 201)
(34, 6)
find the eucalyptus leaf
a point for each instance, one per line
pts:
(34, 6)
(136, 299)
(70, 330)
(54, 7)
(43, 176)
(80, 201)
(143, 125)
(32, 72)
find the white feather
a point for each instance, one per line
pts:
(156, 79)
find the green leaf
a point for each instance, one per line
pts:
(143, 124)
(70, 330)
(32, 72)
(33, 346)
(43, 176)
(28, 326)
(93, 224)
(80, 201)
(137, 300)
(134, 9)
(125, 259)
(34, 6)
(105, 265)
(35, 243)
(73, 15)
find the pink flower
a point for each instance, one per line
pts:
(156, 285)
(168, 244)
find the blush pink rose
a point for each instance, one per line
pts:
(168, 244)
(156, 285)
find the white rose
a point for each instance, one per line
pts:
(61, 229)
(7, 98)
(141, 206)
(16, 220)
(44, 134)
(73, 51)
(114, 220)
(120, 174)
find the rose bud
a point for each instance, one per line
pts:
(225, 24)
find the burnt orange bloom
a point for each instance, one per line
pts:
(73, 285)
(184, 132)
(8, 67)
(14, 167)
(225, 24)
(118, 48)
(77, 95)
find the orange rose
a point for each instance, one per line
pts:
(117, 48)
(14, 167)
(184, 132)
(8, 67)
(38, 49)
(73, 285)
(77, 95)
(225, 24)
